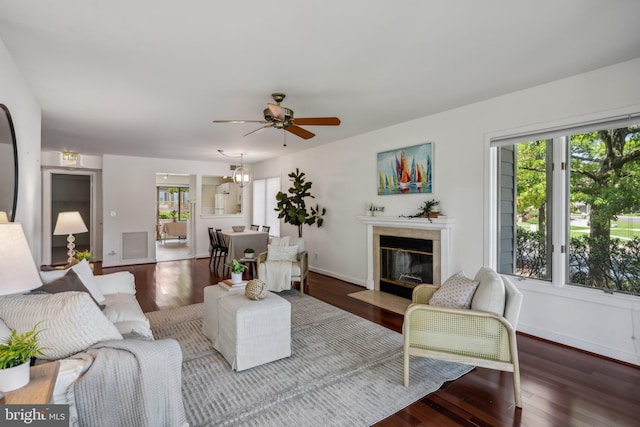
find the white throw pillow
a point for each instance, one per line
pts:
(280, 241)
(83, 270)
(490, 295)
(456, 292)
(5, 331)
(70, 322)
(282, 253)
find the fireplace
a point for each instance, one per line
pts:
(404, 263)
(405, 252)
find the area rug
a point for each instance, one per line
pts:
(344, 371)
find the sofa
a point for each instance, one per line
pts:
(110, 364)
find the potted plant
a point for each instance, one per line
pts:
(293, 209)
(236, 270)
(249, 252)
(428, 209)
(173, 215)
(80, 255)
(15, 357)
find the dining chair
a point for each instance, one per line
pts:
(223, 250)
(266, 228)
(213, 242)
(255, 227)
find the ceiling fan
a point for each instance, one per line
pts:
(279, 117)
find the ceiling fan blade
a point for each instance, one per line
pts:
(302, 133)
(239, 121)
(317, 121)
(260, 129)
(277, 111)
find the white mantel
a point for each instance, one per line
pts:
(442, 224)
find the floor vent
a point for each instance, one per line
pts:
(134, 245)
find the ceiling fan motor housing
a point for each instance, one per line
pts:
(268, 116)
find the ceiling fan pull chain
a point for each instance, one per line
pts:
(284, 133)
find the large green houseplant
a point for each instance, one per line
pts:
(292, 206)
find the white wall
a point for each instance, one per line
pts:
(129, 190)
(344, 179)
(26, 115)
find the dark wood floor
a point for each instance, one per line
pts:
(560, 386)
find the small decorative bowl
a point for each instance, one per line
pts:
(238, 228)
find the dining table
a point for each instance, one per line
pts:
(238, 241)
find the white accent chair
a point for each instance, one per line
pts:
(484, 335)
(299, 269)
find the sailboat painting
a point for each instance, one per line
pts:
(406, 170)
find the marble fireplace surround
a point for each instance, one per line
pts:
(438, 229)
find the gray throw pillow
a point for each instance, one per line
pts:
(69, 282)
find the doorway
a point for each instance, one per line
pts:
(65, 191)
(174, 209)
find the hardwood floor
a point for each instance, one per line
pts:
(560, 386)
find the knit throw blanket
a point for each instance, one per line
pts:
(132, 383)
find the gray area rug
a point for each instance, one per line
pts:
(344, 371)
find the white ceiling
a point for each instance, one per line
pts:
(147, 77)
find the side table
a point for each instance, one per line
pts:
(40, 387)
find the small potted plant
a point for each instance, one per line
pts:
(15, 357)
(80, 255)
(174, 214)
(236, 271)
(249, 252)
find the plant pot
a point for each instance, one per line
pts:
(249, 255)
(14, 378)
(236, 278)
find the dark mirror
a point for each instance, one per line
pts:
(8, 167)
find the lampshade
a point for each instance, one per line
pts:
(69, 223)
(3, 217)
(18, 271)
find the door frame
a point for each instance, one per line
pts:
(95, 228)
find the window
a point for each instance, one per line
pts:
(568, 205)
(264, 203)
(173, 202)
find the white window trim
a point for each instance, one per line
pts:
(556, 287)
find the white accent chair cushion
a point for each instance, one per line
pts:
(490, 295)
(282, 253)
(70, 322)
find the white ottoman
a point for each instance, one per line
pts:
(251, 333)
(211, 296)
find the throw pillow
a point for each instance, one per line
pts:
(282, 253)
(85, 274)
(70, 322)
(456, 292)
(68, 282)
(5, 331)
(280, 241)
(490, 295)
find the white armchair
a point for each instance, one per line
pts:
(285, 262)
(484, 335)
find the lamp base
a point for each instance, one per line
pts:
(71, 252)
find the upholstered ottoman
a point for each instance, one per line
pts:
(251, 333)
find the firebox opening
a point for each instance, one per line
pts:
(405, 263)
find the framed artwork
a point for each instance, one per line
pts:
(406, 170)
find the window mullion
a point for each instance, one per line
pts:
(559, 208)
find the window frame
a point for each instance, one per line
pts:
(559, 131)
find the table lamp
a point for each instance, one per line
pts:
(70, 223)
(18, 271)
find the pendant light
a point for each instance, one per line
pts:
(241, 175)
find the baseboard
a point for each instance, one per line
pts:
(586, 346)
(349, 279)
